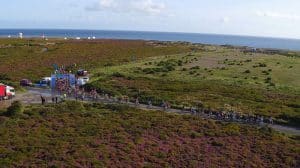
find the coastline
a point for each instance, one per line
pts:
(194, 38)
(248, 49)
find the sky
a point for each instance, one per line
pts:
(269, 18)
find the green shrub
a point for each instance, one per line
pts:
(262, 65)
(195, 67)
(268, 80)
(118, 108)
(265, 72)
(149, 70)
(192, 72)
(118, 75)
(179, 63)
(272, 84)
(75, 104)
(16, 108)
(108, 64)
(215, 143)
(247, 71)
(194, 135)
(4, 77)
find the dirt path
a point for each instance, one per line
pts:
(33, 97)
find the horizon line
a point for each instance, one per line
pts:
(148, 31)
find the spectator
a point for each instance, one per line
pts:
(43, 100)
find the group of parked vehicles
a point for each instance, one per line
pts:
(82, 79)
(8, 92)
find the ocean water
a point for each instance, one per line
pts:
(258, 42)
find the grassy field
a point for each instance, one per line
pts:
(95, 135)
(218, 77)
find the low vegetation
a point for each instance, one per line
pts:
(222, 79)
(40, 55)
(74, 134)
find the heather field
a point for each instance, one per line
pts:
(223, 78)
(33, 58)
(73, 134)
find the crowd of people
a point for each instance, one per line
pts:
(231, 116)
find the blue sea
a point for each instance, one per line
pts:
(257, 42)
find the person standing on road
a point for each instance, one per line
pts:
(137, 102)
(82, 97)
(65, 96)
(149, 104)
(43, 100)
(56, 99)
(261, 120)
(271, 120)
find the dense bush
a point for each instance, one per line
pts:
(15, 109)
(195, 67)
(247, 71)
(117, 74)
(4, 77)
(262, 65)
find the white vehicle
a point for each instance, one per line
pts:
(48, 79)
(10, 91)
(82, 81)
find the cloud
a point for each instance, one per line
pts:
(107, 3)
(148, 6)
(144, 6)
(277, 15)
(225, 19)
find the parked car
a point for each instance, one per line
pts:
(82, 72)
(82, 81)
(48, 79)
(25, 82)
(45, 81)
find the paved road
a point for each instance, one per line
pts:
(33, 97)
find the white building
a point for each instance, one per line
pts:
(21, 35)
